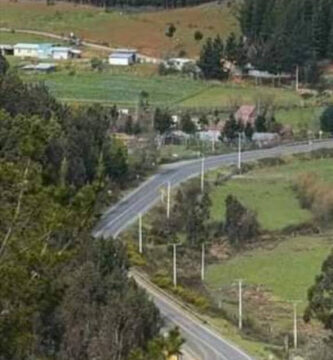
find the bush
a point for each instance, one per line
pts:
(198, 36)
(326, 120)
(96, 64)
(316, 195)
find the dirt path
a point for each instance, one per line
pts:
(142, 57)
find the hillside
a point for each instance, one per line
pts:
(145, 31)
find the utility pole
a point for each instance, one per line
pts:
(239, 163)
(168, 199)
(295, 327)
(203, 262)
(202, 174)
(297, 78)
(175, 264)
(240, 304)
(140, 233)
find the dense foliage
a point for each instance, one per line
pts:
(281, 34)
(166, 4)
(63, 295)
(321, 296)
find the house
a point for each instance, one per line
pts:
(64, 53)
(266, 139)
(123, 57)
(26, 50)
(45, 51)
(41, 67)
(209, 135)
(6, 49)
(40, 51)
(177, 63)
(246, 114)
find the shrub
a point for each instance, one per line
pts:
(326, 120)
(198, 35)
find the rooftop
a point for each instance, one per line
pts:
(117, 55)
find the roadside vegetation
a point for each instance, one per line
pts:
(258, 227)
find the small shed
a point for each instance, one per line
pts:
(123, 57)
(41, 67)
(6, 49)
(61, 53)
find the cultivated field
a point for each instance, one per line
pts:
(123, 86)
(144, 31)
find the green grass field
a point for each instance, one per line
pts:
(287, 271)
(300, 118)
(231, 94)
(13, 38)
(268, 191)
(117, 88)
(123, 85)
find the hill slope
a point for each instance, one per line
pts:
(145, 31)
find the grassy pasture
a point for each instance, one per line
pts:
(286, 271)
(145, 31)
(268, 191)
(119, 88)
(123, 85)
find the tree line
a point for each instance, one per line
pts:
(276, 36)
(64, 295)
(165, 4)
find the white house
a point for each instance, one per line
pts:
(26, 50)
(123, 57)
(178, 63)
(64, 53)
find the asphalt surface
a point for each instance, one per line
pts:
(200, 340)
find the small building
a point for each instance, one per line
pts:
(266, 139)
(6, 49)
(209, 135)
(123, 57)
(177, 63)
(246, 114)
(64, 53)
(40, 51)
(41, 67)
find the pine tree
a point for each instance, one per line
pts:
(320, 296)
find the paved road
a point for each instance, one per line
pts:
(120, 216)
(202, 342)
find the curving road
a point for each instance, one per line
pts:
(201, 341)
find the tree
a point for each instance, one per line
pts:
(320, 296)
(231, 47)
(198, 35)
(186, 124)
(261, 123)
(162, 120)
(193, 209)
(231, 129)
(241, 225)
(210, 61)
(248, 131)
(4, 66)
(326, 120)
(171, 29)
